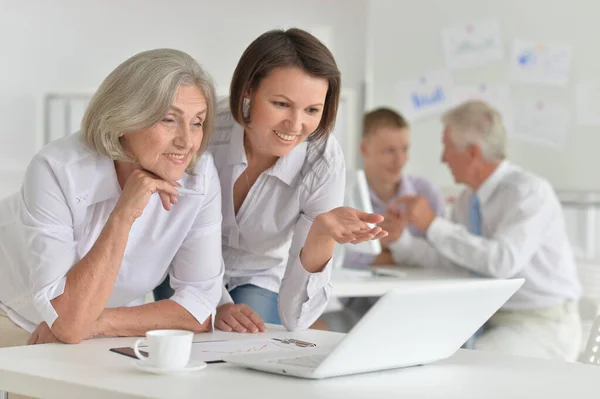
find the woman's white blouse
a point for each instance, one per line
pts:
(67, 196)
(262, 243)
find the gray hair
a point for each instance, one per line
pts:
(476, 122)
(138, 93)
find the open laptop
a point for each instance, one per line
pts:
(358, 196)
(406, 327)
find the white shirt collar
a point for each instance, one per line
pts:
(288, 167)
(106, 183)
(237, 153)
(486, 189)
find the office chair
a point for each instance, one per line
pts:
(591, 355)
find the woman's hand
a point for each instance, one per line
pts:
(42, 335)
(137, 191)
(340, 225)
(348, 225)
(239, 318)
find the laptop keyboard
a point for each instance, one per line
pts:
(303, 361)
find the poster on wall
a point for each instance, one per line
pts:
(496, 95)
(424, 96)
(541, 121)
(587, 103)
(473, 44)
(539, 63)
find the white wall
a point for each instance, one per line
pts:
(51, 45)
(405, 42)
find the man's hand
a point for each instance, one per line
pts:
(417, 211)
(42, 335)
(395, 223)
(384, 258)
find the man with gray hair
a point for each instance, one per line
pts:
(507, 223)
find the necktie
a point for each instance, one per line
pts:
(475, 229)
(475, 216)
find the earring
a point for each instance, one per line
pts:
(246, 108)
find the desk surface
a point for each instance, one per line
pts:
(361, 282)
(90, 371)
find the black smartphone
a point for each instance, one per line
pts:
(127, 351)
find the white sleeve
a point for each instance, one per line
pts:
(416, 251)
(302, 295)
(515, 240)
(48, 231)
(225, 297)
(197, 270)
(419, 251)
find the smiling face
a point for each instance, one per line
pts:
(385, 152)
(285, 109)
(167, 147)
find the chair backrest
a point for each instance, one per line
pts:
(591, 354)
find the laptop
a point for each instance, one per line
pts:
(408, 326)
(358, 196)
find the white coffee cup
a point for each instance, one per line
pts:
(167, 349)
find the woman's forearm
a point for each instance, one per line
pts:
(317, 251)
(137, 320)
(90, 282)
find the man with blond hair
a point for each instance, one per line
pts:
(507, 223)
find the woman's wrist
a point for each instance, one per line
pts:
(120, 219)
(318, 248)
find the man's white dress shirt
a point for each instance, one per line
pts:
(523, 234)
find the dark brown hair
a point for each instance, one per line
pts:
(291, 48)
(382, 117)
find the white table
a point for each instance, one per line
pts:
(90, 371)
(358, 283)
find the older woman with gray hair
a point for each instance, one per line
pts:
(105, 214)
(507, 223)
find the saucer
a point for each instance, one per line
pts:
(191, 366)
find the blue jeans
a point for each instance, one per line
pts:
(262, 301)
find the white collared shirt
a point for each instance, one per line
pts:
(67, 195)
(523, 234)
(262, 243)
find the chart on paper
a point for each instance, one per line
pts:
(211, 351)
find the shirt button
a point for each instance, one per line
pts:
(305, 306)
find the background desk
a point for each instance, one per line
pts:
(357, 283)
(90, 371)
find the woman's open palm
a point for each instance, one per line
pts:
(349, 225)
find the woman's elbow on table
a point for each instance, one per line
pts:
(71, 325)
(69, 333)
